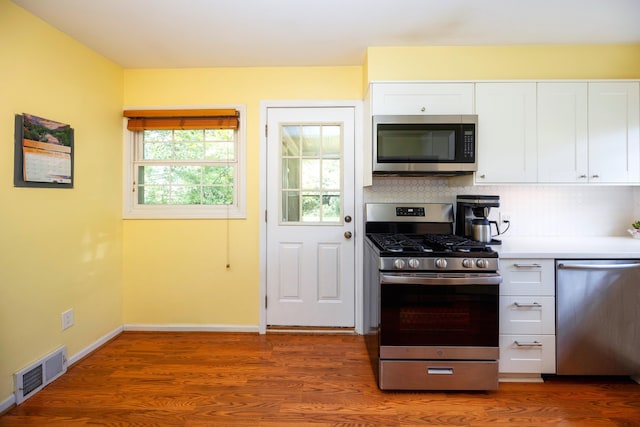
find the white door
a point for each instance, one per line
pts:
(310, 206)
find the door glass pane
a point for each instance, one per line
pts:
(311, 174)
(290, 140)
(290, 206)
(331, 207)
(310, 207)
(331, 141)
(331, 175)
(311, 140)
(290, 173)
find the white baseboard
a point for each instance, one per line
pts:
(190, 328)
(7, 403)
(94, 346)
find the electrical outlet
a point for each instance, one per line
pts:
(67, 319)
(505, 217)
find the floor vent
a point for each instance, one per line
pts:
(33, 378)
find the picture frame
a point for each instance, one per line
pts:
(43, 153)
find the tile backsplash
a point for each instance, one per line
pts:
(536, 210)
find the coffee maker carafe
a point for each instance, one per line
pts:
(472, 217)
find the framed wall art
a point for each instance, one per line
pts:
(43, 153)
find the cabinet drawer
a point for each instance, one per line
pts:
(527, 277)
(527, 315)
(527, 354)
(438, 375)
(422, 98)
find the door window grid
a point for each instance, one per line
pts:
(311, 185)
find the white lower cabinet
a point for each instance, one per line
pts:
(527, 318)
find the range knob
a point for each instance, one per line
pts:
(441, 263)
(414, 263)
(482, 263)
(467, 263)
(398, 263)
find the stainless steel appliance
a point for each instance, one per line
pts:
(598, 317)
(420, 144)
(431, 300)
(472, 212)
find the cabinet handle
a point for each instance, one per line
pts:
(582, 176)
(423, 109)
(595, 176)
(483, 176)
(528, 344)
(532, 305)
(534, 265)
(439, 371)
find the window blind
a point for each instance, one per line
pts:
(140, 120)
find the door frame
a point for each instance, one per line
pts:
(358, 200)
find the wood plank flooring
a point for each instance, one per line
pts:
(227, 379)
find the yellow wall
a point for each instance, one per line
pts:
(59, 248)
(503, 62)
(174, 270)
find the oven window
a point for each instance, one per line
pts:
(448, 315)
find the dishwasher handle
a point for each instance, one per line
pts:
(569, 266)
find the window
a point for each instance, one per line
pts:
(184, 164)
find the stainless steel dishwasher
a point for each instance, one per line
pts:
(598, 317)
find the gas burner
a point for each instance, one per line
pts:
(454, 243)
(428, 244)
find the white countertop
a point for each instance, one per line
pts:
(569, 247)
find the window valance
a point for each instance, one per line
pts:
(182, 119)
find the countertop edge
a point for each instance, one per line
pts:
(605, 247)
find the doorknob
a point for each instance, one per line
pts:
(347, 218)
(347, 234)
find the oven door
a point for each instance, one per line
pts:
(439, 316)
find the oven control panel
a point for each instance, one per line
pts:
(409, 211)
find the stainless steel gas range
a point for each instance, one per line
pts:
(431, 300)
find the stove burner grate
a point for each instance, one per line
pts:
(427, 243)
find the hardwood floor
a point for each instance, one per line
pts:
(228, 379)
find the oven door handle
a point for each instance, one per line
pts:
(427, 279)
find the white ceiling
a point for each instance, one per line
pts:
(225, 33)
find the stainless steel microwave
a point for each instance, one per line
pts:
(424, 144)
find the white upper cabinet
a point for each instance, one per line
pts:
(506, 132)
(614, 132)
(562, 132)
(588, 132)
(421, 98)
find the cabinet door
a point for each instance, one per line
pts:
(506, 132)
(562, 132)
(422, 98)
(614, 134)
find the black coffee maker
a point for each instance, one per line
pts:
(472, 217)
